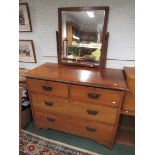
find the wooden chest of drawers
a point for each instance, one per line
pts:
(76, 100)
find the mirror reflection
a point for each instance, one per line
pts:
(82, 36)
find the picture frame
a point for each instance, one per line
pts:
(27, 51)
(24, 18)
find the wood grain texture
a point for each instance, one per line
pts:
(129, 103)
(101, 133)
(105, 96)
(128, 107)
(108, 78)
(47, 87)
(82, 97)
(98, 113)
(130, 77)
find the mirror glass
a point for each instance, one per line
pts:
(82, 36)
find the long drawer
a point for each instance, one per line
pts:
(47, 87)
(99, 113)
(96, 95)
(101, 133)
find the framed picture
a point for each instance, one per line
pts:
(24, 18)
(26, 51)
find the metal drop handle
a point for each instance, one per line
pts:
(90, 129)
(50, 119)
(47, 88)
(92, 112)
(93, 95)
(48, 103)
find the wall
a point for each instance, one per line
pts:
(44, 19)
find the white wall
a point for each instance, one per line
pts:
(44, 19)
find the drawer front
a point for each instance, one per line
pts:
(96, 95)
(93, 112)
(87, 111)
(101, 133)
(47, 87)
(53, 121)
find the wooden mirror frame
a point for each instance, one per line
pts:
(105, 35)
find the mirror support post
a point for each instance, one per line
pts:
(105, 56)
(58, 47)
(105, 50)
(104, 41)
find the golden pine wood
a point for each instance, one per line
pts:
(57, 89)
(101, 133)
(106, 96)
(78, 109)
(68, 100)
(107, 78)
(127, 135)
(128, 107)
(130, 76)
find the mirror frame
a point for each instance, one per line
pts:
(105, 35)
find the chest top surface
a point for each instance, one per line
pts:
(108, 78)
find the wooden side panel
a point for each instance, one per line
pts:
(129, 102)
(130, 77)
(128, 107)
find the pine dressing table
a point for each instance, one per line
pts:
(78, 95)
(77, 100)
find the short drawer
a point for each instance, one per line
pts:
(47, 87)
(96, 95)
(99, 113)
(101, 133)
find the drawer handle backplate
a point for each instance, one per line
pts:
(93, 95)
(92, 112)
(48, 103)
(91, 129)
(47, 88)
(50, 119)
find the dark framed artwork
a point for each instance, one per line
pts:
(24, 18)
(26, 51)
